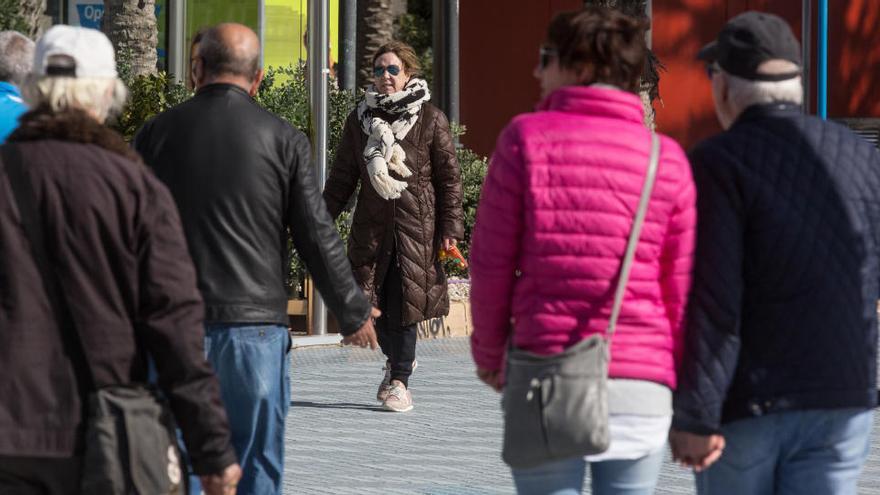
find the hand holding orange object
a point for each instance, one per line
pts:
(455, 255)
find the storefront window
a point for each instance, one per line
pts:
(203, 13)
(285, 24)
(283, 37)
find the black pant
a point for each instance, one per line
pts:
(398, 342)
(39, 475)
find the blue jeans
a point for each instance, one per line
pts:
(566, 477)
(253, 367)
(817, 452)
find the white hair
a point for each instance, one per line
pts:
(743, 93)
(100, 97)
(16, 56)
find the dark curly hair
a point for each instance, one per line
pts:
(609, 45)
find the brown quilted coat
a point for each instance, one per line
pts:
(428, 210)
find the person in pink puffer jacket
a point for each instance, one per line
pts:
(554, 216)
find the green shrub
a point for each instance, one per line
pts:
(10, 17)
(149, 96)
(473, 171)
(284, 92)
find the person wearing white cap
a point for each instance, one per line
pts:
(109, 275)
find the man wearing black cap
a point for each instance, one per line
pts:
(779, 376)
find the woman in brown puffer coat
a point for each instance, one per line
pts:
(400, 150)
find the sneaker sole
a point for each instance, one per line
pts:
(389, 408)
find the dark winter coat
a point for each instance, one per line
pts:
(783, 307)
(428, 210)
(115, 240)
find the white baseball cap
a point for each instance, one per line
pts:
(74, 52)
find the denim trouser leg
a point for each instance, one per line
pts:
(253, 367)
(820, 452)
(566, 477)
(627, 477)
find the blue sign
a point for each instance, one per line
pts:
(90, 15)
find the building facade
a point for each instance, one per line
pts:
(500, 40)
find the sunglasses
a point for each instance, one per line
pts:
(545, 55)
(379, 71)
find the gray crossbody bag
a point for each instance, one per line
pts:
(556, 406)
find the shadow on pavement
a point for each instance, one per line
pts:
(336, 405)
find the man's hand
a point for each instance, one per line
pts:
(224, 483)
(490, 378)
(695, 451)
(366, 335)
(448, 242)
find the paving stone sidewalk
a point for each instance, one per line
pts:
(339, 441)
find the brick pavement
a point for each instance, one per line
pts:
(340, 442)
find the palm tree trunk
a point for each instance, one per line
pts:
(31, 13)
(131, 26)
(375, 28)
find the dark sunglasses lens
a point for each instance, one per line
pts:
(710, 71)
(380, 71)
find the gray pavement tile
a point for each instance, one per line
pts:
(339, 441)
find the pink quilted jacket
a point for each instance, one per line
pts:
(552, 225)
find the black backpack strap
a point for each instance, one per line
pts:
(23, 192)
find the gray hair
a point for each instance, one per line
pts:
(744, 93)
(100, 97)
(16, 56)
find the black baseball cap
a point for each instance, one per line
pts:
(750, 39)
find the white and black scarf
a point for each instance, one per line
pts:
(383, 151)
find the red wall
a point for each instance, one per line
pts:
(500, 40)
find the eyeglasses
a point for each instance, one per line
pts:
(379, 71)
(545, 54)
(711, 69)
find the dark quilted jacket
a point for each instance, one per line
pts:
(783, 312)
(427, 211)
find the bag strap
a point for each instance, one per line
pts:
(30, 221)
(634, 234)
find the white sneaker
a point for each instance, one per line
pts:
(399, 399)
(385, 386)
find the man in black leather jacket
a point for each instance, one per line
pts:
(241, 177)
